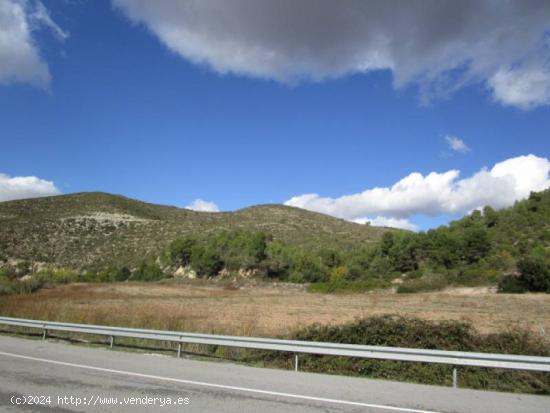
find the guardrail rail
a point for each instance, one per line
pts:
(453, 358)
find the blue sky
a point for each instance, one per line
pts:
(125, 111)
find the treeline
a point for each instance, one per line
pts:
(510, 248)
(230, 250)
(259, 254)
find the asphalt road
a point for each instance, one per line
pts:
(103, 380)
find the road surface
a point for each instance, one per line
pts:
(73, 378)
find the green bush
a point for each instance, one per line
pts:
(511, 284)
(28, 286)
(477, 275)
(148, 271)
(296, 277)
(121, 274)
(409, 332)
(206, 262)
(4, 275)
(180, 251)
(111, 275)
(534, 274)
(58, 276)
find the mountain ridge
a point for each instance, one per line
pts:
(97, 229)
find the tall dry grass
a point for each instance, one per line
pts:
(267, 310)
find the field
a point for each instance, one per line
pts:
(270, 310)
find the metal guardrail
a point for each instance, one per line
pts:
(453, 358)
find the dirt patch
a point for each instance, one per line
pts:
(471, 290)
(108, 217)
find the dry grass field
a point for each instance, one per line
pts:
(269, 310)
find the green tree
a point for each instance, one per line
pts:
(490, 216)
(180, 251)
(206, 262)
(476, 244)
(278, 261)
(308, 267)
(386, 243)
(534, 274)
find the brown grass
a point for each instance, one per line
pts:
(268, 310)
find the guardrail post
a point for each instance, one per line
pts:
(455, 378)
(112, 341)
(179, 349)
(296, 362)
(44, 333)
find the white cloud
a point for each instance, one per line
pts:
(20, 187)
(40, 16)
(457, 144)
(20, 59)
(525, 88)
(203, 206)
(438, 193)
(440, 47)
(379, 221)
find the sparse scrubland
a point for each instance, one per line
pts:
(268, 309)
(469, 319)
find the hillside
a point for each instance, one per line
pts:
(96, 230)
(480, 248)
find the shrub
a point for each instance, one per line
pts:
(180, 251)
(20, 287)
(122, 274)
(58, 276)
(380, 266)
(206, 262)
(477, 275)
(308, 266)
(330, 257)
(148, 271)
(296, 277)
(534, 274)
(409, 332)
(511, 284)
(112, 275)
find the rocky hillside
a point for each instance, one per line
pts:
(93, 230)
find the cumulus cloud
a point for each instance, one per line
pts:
(20, 59)
(525, 87)
(438, 193)
(379, 221)
(440, 46)
(203, 206)
(20, 187)
(457, 144)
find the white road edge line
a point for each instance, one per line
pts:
(220, 386)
